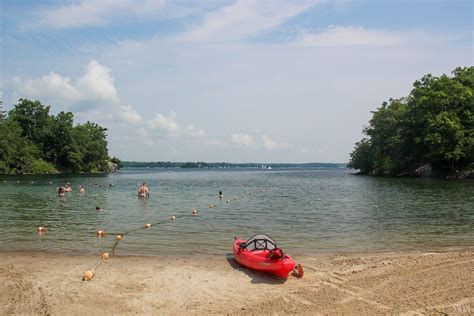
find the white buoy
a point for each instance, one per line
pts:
(147, 225)
(195, 212)
(105, 255)
(118, 237)
(173, 218)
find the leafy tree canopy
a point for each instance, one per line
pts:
(433, 125)
(34, 141)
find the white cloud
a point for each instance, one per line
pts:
(48, 86)
(243, 140)
(170, 126)
(97, 83)
(165, 123)
(129, 115)
(350, 36)
(346, 36)
(243, 19)
(96, 13)
(270, 144)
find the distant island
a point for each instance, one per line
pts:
(221, 165)
(428, 133)
(35, 142)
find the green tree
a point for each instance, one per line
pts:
(17, 153)
(434, 124)
(92, 146)
(35, 141)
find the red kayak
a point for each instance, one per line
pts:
(261, 253)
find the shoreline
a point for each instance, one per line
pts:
(344, 283)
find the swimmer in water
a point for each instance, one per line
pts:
(143, 191)
(220, 195)
(67, 187)
(61, 191)
(81, 189)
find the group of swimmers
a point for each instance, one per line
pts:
(67, 188)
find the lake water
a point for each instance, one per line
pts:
(305, 211)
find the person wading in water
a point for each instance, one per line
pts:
(143, 191)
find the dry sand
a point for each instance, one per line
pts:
(388, 283)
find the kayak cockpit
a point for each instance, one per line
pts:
(258, 242)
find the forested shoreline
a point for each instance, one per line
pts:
(429, 132)
(212, 165)
(35, 142)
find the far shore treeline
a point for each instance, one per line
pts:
(429, 132)
(213, 165)
(34, 141)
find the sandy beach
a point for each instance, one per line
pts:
(410, 283)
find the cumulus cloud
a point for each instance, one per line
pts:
(243, 140)
(244, 18)
(95, 85)
(170, 126)
(50, 86)
(129, 115)
(165, 123)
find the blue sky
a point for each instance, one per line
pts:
(270, 81)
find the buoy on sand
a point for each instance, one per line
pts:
(105, 255)
(88, 275)
(118, 237)
(101, 233)
(299, 271)
(147, 225)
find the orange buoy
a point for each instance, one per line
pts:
(147, 225)
(88, 275)
(101, 233)
(118, 237)
(300, 270)
(41, 229)
(195, 212)
(172, 218)
(105, 255)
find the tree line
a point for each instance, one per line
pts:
(212, 165)
(433, 125)
(35, 141)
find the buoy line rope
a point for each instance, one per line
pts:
(89, 274)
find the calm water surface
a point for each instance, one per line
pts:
(305, 211)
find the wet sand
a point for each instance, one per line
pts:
(379, 283)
